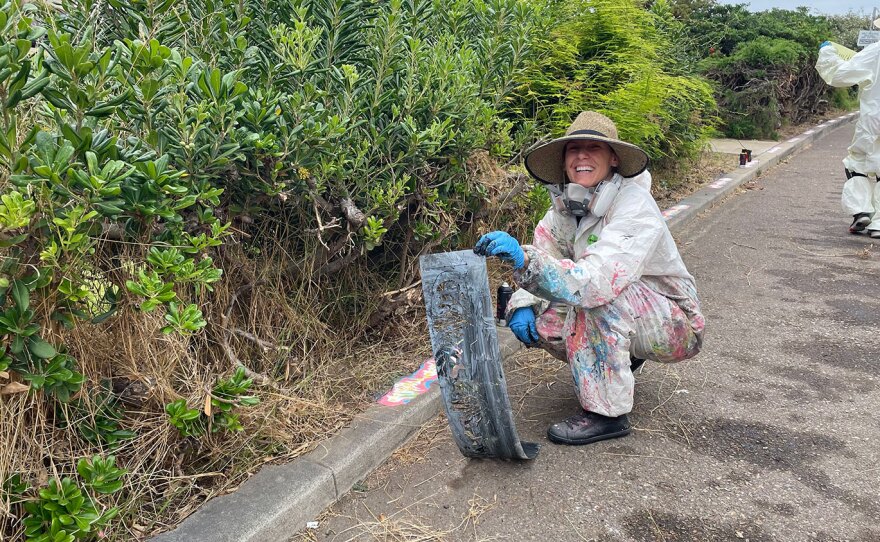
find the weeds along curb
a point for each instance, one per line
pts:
(279, 500)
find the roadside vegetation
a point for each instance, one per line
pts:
(762, 64)
(211, 211)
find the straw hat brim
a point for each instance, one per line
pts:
(546, 163)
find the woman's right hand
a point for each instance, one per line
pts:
(502, 245)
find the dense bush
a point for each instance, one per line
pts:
(149, 149)
(616, 57)
(763, 83)
(845, 28)
(762, 63)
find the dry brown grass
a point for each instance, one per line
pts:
(322, 378)
(672, 184)
(408, 525)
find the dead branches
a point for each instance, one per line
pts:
(226, 331)
(507, 200)
(395, 302)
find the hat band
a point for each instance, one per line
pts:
(587, 132)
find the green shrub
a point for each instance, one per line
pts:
(187, 420)
(98, 422)
(141, 143)
(65, 511)
(844, 29)
(762, 63)
(225, 396)
(844, 98)
(615, 57)
(765, 83)
(138, 142)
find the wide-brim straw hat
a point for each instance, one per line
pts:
(547, 162)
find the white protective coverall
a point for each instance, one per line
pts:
(608, 287)
(860, 194)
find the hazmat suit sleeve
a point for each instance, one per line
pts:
(552, 244)
(632, 231)
(861, 69)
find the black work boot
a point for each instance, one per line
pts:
(635, 363)
(588, 427)
(860, 222)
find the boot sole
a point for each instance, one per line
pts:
(579, 442)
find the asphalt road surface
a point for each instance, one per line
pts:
(770, 434)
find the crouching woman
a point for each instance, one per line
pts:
(603, 285)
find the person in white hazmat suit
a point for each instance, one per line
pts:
(861, 194)
(602, 286)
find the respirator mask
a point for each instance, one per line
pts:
(580, 201)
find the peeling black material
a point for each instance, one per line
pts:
(465, 345)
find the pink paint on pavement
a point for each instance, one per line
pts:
(409, 387)
(674, 210)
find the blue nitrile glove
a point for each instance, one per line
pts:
(824, 44)
(522, 324)
(501, 244)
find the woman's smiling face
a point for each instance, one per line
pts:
(588, 163)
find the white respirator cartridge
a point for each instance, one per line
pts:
(581, 201)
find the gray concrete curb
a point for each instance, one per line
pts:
(279, 500)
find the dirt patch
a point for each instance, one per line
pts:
(852, 244)
(764, 445)
(866, 535)
(671, 185)
(841, 353)
(653, 525)
(856, 311)
(749, 397)
(778, 508)
(808, 281)
(808, 381)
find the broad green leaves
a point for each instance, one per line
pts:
(219, 412)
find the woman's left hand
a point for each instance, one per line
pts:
(502, 245)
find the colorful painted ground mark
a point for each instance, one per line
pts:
(721, 183)
(409, 387)
(674, 210)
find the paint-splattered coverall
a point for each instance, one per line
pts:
(860, 194)
(607, 287)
